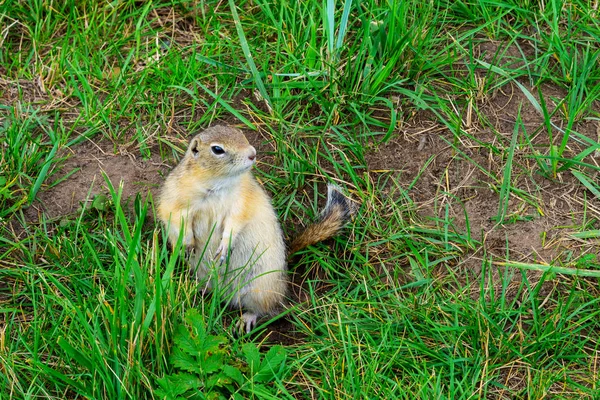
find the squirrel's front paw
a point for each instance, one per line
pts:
(221, 253)
(188, 251)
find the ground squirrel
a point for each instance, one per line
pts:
(226, 220)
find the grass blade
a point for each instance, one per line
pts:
(247, 53)
(227, 106)
(586, 182)
(343, 24)
(43, 173)
(551, 268)
(506, 179)
(330, 25)
(593, 234)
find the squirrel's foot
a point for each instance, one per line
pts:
(246, 323)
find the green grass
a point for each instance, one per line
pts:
(413, 300)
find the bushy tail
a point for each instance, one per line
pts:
(335, 215)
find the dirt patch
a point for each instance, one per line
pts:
(541, 212)
(86, 165)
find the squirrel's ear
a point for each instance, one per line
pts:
(194, 147)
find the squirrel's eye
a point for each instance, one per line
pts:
(218, 150)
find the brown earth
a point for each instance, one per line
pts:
(538, 235)
(87, 163)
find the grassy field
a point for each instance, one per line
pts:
(467, 131)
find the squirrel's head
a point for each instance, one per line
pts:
(221, 151)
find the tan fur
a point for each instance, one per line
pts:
(229, 224)
(320, 230)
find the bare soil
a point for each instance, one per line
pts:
(537, 235)
(88, 163)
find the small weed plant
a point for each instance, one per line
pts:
(206, 366)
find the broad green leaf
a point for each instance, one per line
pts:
(252, 356)
(172, 386)
(184, 341)
(185, 361)
(212, 363)
(271, 364)
(234, 373)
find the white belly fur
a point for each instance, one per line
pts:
(253, 276)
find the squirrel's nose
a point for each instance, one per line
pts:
(252, 155)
